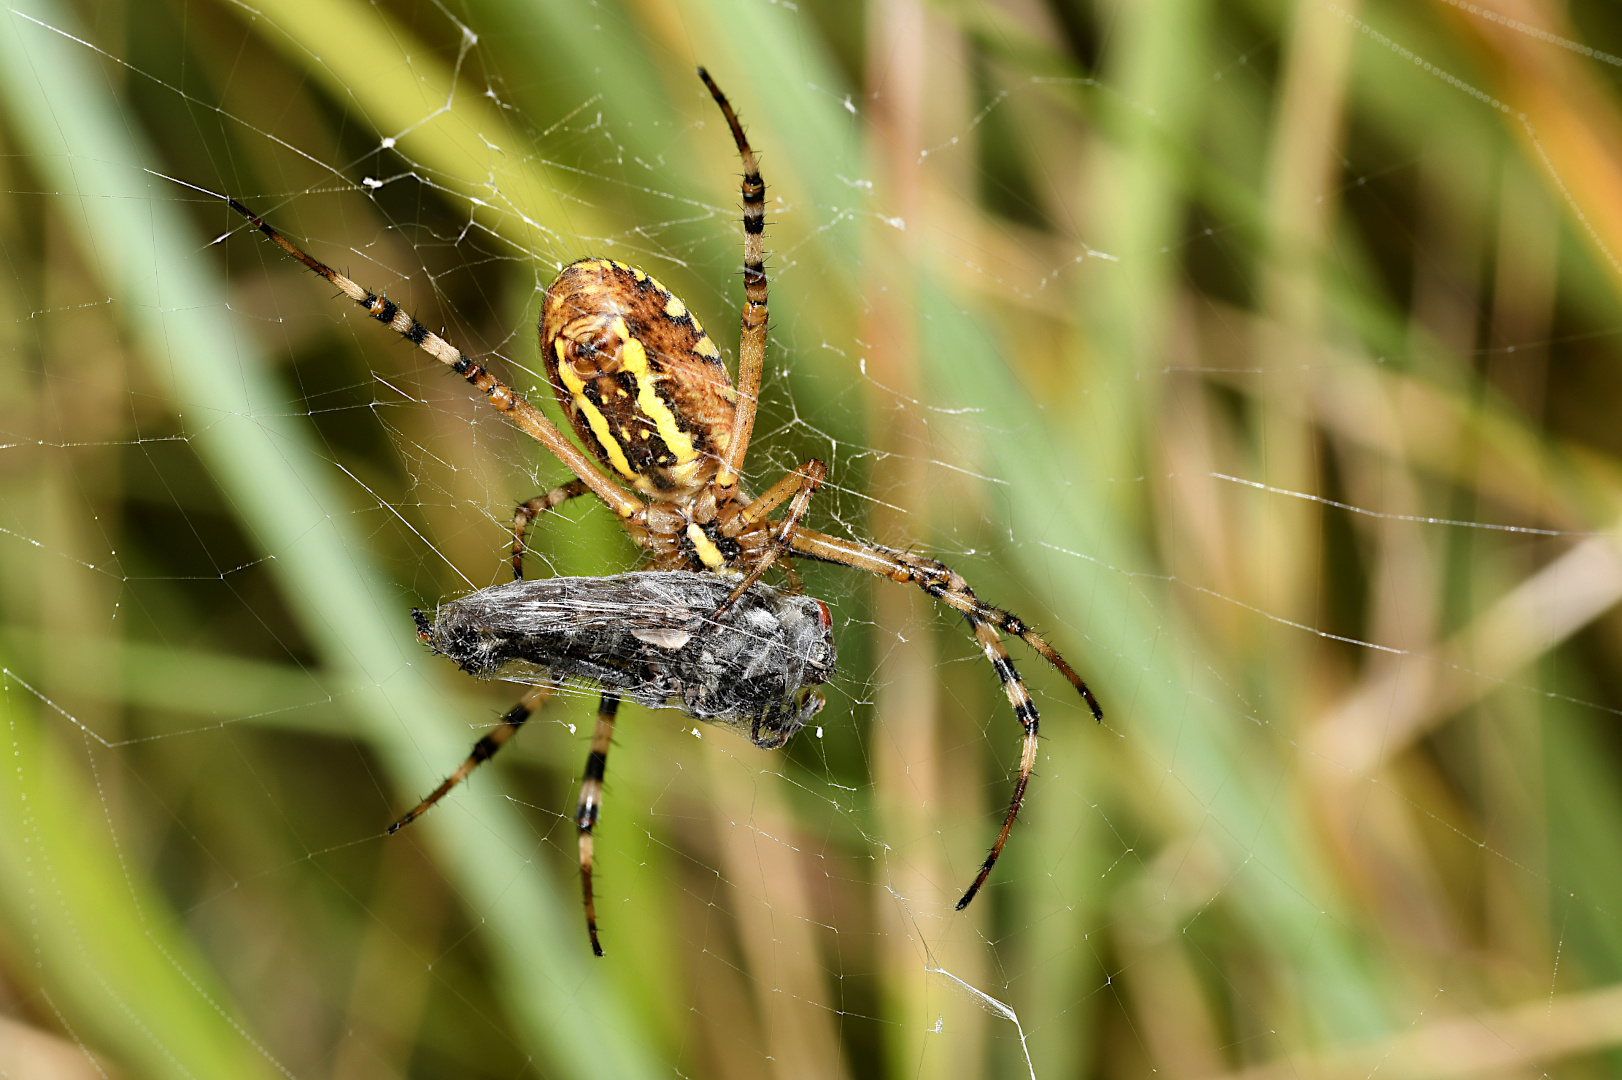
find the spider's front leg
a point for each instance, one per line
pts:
(528, 512)
(948, 586)
(1025, 712)
(590, 805)
(942, 583)
(801, 485)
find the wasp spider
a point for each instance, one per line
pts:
(649, 397)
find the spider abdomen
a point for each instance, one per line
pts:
(641, 383)
(648, 636)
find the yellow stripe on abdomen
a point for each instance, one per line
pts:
(594, 416)
(634, 359)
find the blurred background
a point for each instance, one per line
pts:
(1263, 355)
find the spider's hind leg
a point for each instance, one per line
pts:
(590, 805)
(752, 337)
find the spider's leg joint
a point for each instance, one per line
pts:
(484, 750)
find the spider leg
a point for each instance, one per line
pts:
(529, 511)
(773, 497)
(752, 342)
(483, 750)
(530, 420)
(804, 484)
(1025, 713)
(591, 801)
(941, 582)
(948, 586)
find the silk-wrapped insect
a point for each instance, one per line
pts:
(659, 638)
(651, 637)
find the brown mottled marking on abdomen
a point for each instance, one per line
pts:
(640, 381)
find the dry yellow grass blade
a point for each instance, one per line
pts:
(1558, 108)
(1404, 698)
(1527, 1037)
(777, 918)
(29, 1052)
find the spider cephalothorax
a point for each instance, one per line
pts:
(647, 394)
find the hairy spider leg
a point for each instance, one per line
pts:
(528, 512)
(804, 484)
(773, 497)
(591, 803)
(941, 582)
(1025, 713)
(507, 401)
(752, 340)
(483, 750)
(948, 586)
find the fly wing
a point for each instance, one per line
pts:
(649, 601)
(648, 636)
(575, 626)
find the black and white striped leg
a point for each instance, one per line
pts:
(946, 585)
(528, 512)
(1025, 713)
(942, 583)
(591, 801)
(483, 750)
(752, 340)
(502, 397)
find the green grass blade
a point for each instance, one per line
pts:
(126, 222)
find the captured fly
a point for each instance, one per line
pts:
(650, 636)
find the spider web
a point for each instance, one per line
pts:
(1290, 432)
